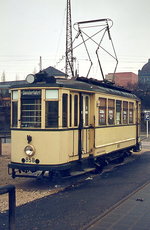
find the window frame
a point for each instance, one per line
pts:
(118, 112)
(28, 101)
(131, 112)
(76, 110)
(65, 110)
(70, 109)
(125, 113)
(86, 109)
(49, 100)
(111, 108)
(14, 100)
(102, 111)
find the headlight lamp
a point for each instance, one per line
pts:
(29, 150)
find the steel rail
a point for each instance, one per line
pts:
(119, 203)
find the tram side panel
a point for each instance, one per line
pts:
(115, 124)
(51, 147)
(112, 139)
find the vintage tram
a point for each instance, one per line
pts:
(66, 127)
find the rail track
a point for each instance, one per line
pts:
(100, 218)
(43, 187)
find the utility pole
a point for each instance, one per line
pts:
(3, 77)
(69, 50)
(40, 63)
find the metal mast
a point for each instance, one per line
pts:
(69, 50)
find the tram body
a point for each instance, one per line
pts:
(68, 125)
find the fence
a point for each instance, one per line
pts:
(12, 204)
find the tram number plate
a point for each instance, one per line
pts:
(29, 160)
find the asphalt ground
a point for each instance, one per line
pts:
(78, 205)
(132, 213)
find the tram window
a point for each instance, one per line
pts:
(31, 112)
(75, 110)
(102, 111)
(86, 111)
(14, 108)
(14, 113)
(51, 119)
(51, 108)
(111, 109)
(139, 114)
(118, 112)
(52, 94)
(65, 110)
(130, 112)
(15, 95)
(125, 112)
(70, 110)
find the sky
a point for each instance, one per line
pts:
(34, 28)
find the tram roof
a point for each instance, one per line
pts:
(82, 83)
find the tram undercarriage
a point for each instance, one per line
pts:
(71, 169)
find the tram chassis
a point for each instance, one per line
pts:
(71, 169)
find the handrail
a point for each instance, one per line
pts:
(12, 204)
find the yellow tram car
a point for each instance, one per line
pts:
(65, 126)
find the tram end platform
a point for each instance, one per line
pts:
(131, 213)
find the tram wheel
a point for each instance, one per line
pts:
(137, 148)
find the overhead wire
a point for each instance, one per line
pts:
(59, 39)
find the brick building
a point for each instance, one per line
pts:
(125, 79)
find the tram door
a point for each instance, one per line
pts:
(86, 122)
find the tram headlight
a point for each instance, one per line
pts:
(29, 150)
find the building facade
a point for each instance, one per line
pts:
(143, 92)
(125, 79)
(144, 74)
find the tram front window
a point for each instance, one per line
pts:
(51, 114)
(15, 108)
(51, 108)
(14, 113)
(31, 108)
(31, 113)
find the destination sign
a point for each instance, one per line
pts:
(31, 92)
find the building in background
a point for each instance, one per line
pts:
(52, 72)
(144, 86)
(5, 106)
(127, 80)
(143, 92)
(144, 75)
